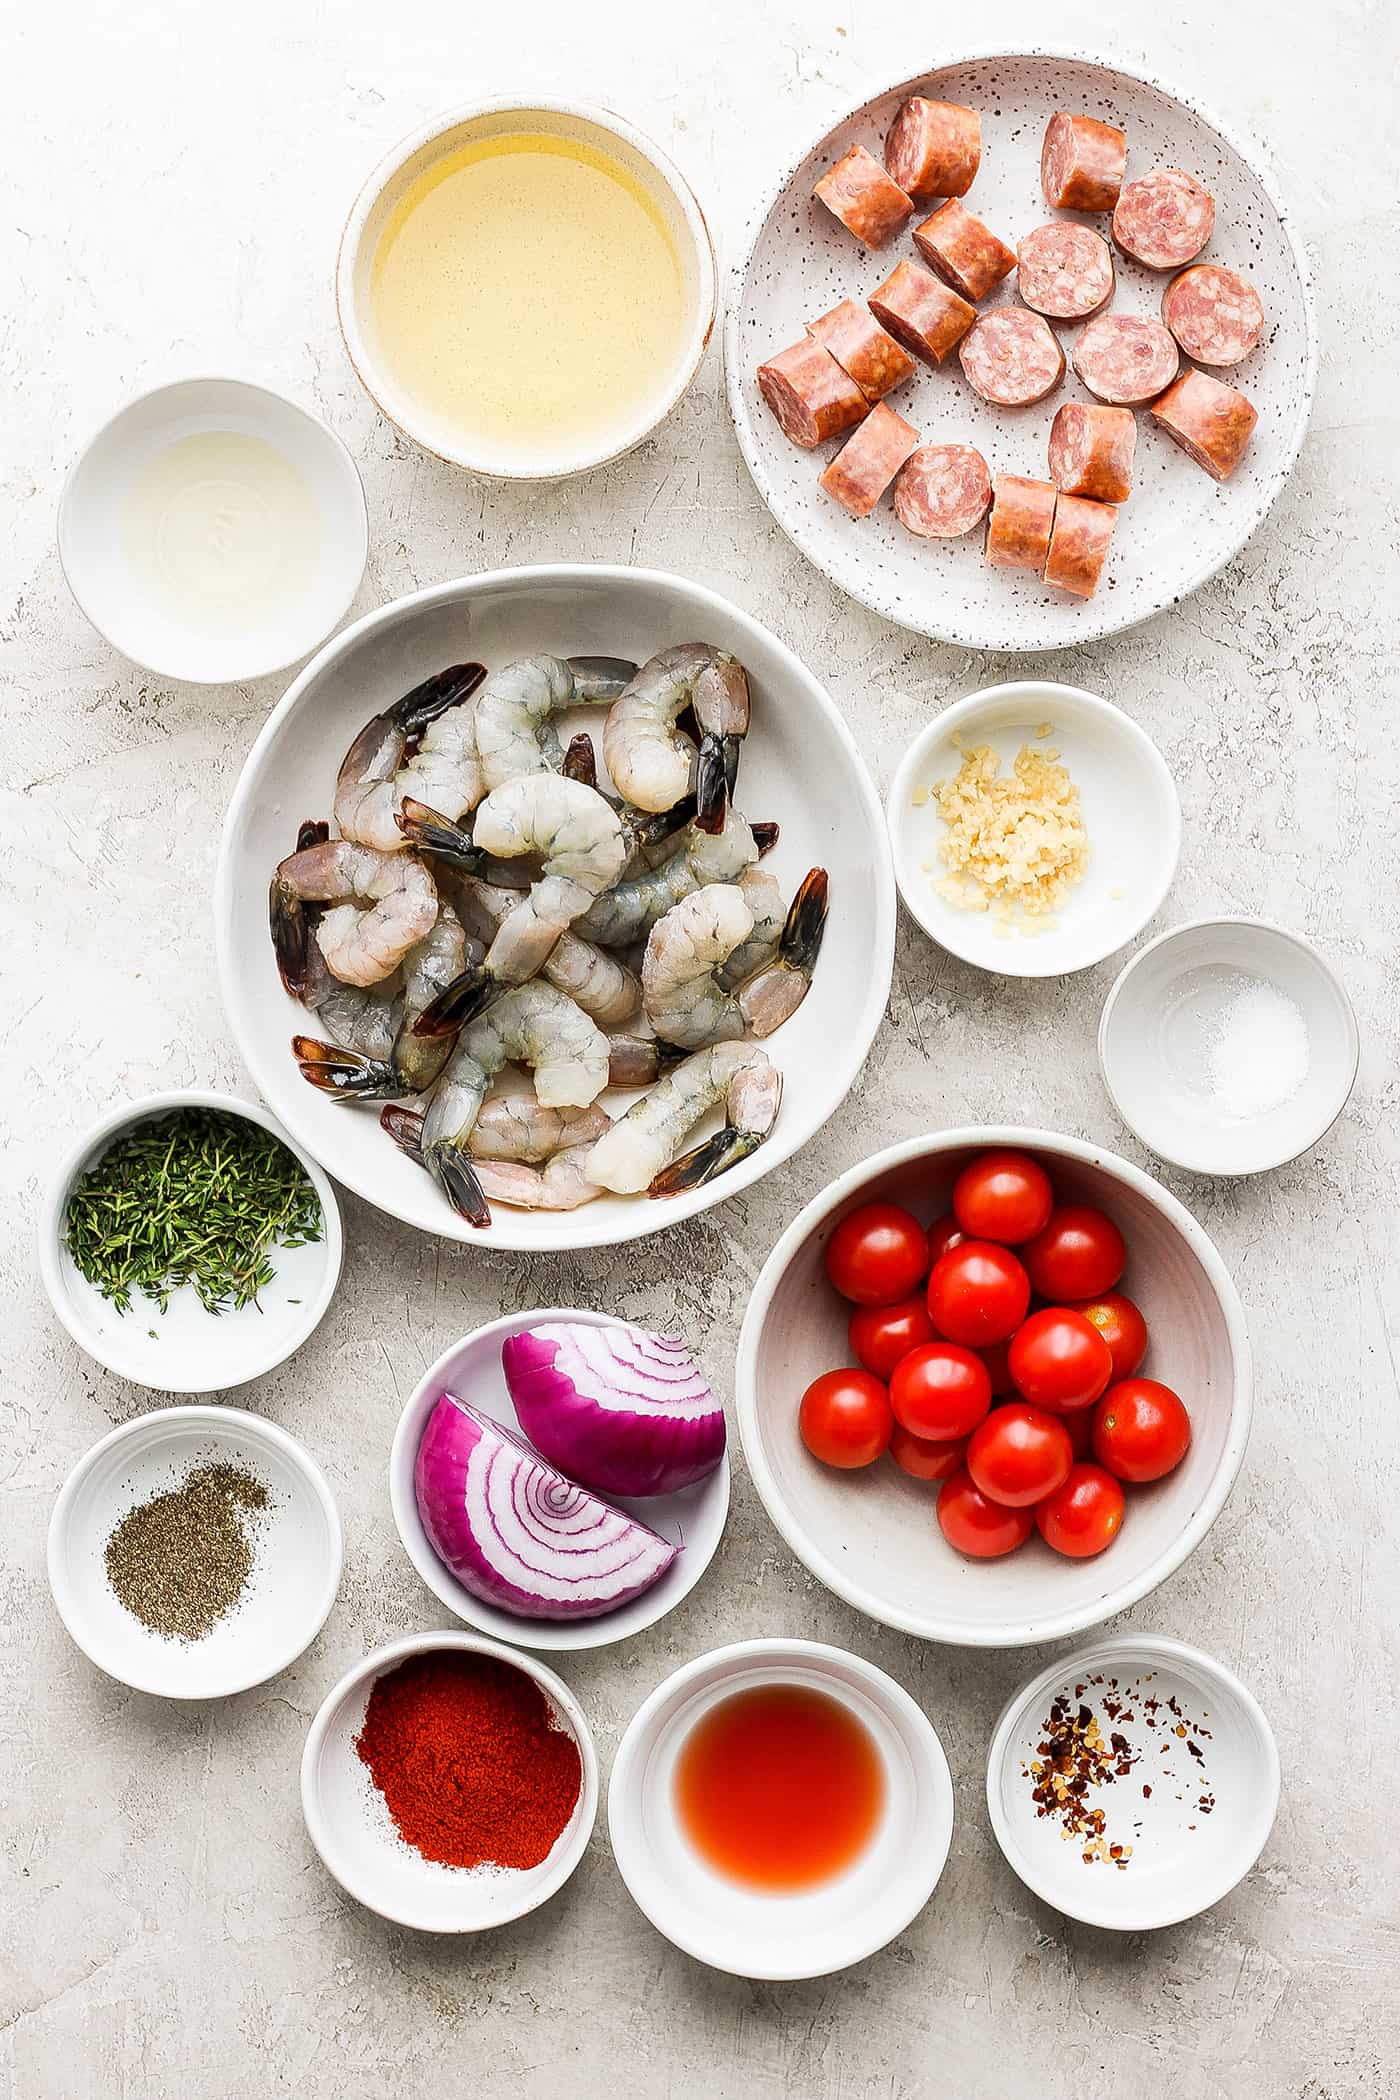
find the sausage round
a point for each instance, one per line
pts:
(868, 462)
(1126, 358)
(933, 148)
(942, 491)
(964, 252)
(1215, 314)
(1163, 219)
(860, 193)
(921, 312)
(1091, 451)
(1064, 270)
(1018, 530)
(1079, 541)
(1011, 357)
(1209, 420)
(812, 398)
(861, 347)
(1082, 163)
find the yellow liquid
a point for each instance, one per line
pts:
(528, 297)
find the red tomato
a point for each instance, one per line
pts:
(1141, 1430)
(978, 1294)
(1122, 1327)
(925, 1457)
(1083, 1515)
(877, 1254)
(881, 1334)
(1003, 1196)
(997, 1358)
(971, 1524)
(943, 1234)
(1080, 1254)
(845, 1419)
(1059, 1361)
(1019, 1455)
(940, 1391)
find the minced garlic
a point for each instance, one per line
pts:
(1016, 843)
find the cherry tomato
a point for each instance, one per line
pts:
(940, 1391)
(978, 1294)
(1141, 1430)
(1059, 1361)
(1019, 1455)
(971, 1524)
(1083, 1515)
(845, 1419)
(881, 1334)
(1080, 1254)
(926, 1457)
(943, 1234)
(1003, 1196)
(878, 1254)
(1122, 1327)
(997, 1358)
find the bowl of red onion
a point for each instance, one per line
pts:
(559, 1478)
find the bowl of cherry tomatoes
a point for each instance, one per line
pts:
(994, 1386)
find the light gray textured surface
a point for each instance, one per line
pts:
(174, 185)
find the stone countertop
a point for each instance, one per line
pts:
(175, 184)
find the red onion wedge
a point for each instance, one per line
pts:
(623, 1410)
(519, 1535)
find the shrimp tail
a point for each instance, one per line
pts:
(425, 702)
(706, 1161)
(721, 703)
(765, 837)
(600, 678)
(459, 1002)
(456, 1177)
(312, 833)
(405, 1127)
(431, 832)
(346, 1074)
(664, 823)
(774, 994)
(581, 760)
(291, 927)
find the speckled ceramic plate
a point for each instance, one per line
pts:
(1180, 527)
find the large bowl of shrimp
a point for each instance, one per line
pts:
(554, 905)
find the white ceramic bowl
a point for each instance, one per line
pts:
(1180, 527)
(692, 1519)
(1131, 813)
(1184, 1857)
(1161, 1030)
(296, 1552)
(186, 1349)
(663, 184)
(350, 1826)
(753, 1932)
(872, 1536)
(94, 529)
(800, 765)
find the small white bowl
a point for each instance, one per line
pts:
(350, 1826)
(752, 1932)
(1131, 813)
(385, 188)
(296, 1552)
(1183, 1858)
(692, 1519)
(186, 1349)
(1157, 1029)
(110, 585)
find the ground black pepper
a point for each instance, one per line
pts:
(181, 1560)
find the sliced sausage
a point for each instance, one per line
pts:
(810, 395)
(868, 462)
(933, 148)
(1082, 163)
(1215, 314)
(964, 252)
(943, 491)
(1209, 420)
(861, 347)
(1163, 219)
(1010, 357)
(1126, 358)
(1091, 451)
(1018, 530)
(1079, 543)
(1064, 270)
(861, 194)
(921, 312)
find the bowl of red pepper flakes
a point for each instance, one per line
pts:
(450, 1783)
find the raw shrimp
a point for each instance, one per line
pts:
(684, 999)
(514, 1125)
(382, 904)
(369, 790)
(605, 988)
(628, 911)
(763, 894)
(639, 1152)
(559, 1184)
(514, 730)
(647, 755)
(364, 1018)
(407, 1063)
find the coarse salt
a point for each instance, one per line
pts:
(1257, 1052)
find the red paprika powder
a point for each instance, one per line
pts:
(464, 1751)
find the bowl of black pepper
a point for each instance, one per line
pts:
(194, 1552)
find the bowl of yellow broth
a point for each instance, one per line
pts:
(526, 291)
